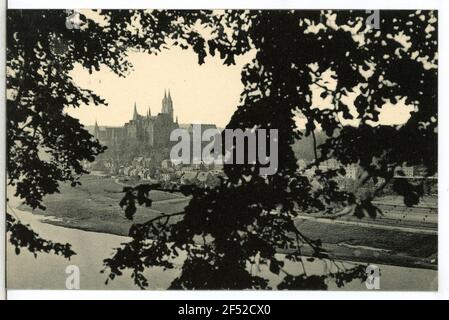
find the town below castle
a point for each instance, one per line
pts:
(139, 150)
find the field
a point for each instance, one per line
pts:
(94, 206)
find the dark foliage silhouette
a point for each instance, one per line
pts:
(242, 223)
(246, 219)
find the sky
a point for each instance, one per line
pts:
(208, 93)
(204, 94)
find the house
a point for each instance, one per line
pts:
(127, 170)
(408, 171)
(332, 163)
(165, 164)
(405, 171)
(171, 170)
(138, 161)
(147, 174)
(301, 164)
(216, 172)
(202, 177)
(147, 162)
(213, 180)
(196, 166)
(351, 171)
(179, 173)
(189, 177)
(167, 176)
(113, 170)
(326, 165)
(134, 172)
(142, 173)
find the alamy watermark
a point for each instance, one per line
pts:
(72, 282)
(373, 20)
(372, 281)
(249, 146)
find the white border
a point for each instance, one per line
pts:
(443, 190)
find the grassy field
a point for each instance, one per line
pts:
(94, 206)
(394, 241)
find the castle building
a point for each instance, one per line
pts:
(151, 130)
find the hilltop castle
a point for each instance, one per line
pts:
(151, 130)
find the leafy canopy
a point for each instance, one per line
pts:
(243, 222)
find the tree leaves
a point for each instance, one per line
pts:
(22, 236)
(303, 282)
(138, 195)
(411, 193)
(247, 217)
(275, 266)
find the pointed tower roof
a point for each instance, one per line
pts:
(149, 111)
(135, 115)
(96, 125)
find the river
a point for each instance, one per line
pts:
(47, 271)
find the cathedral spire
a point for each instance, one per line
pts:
(167, 104)
(149, 111)
(170, 105)
(96, 130)
(135, 115)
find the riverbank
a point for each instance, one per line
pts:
(47, 271)
(93, 206)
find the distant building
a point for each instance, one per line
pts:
(154, 130)
(147, 162)
(127, 171)
(133, 173)
(138, 161)
(301, 164)
(189, 177)
(167, 176)
(178, 173)
(408, 171)
(203, 176)
(165, 164)
(352, 171)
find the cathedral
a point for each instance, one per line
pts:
(151, 130)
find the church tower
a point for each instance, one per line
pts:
(135, 115)
(167, 104)
(96, 131)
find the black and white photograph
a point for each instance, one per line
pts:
(222, 149)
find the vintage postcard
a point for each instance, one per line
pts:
(222, 149)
